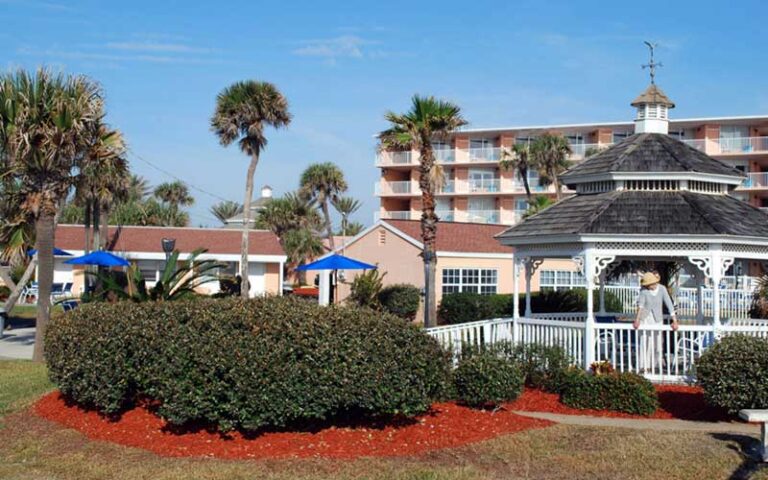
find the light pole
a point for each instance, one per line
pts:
(168, 245)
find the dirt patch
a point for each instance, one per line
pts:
(446, 425)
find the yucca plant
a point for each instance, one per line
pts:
(178, 280)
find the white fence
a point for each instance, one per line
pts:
(733, 303)
(655, 351)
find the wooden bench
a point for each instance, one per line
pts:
(761, 417)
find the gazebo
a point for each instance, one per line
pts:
(649, 197)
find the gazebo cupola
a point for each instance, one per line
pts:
(653, 107)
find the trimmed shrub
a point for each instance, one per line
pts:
(734, 373)
(541, 366)
(232, 363)
(400, 299)
(620, 392)
(469, 307)
(365, 289)
(486, 379)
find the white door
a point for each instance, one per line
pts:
(257, 278)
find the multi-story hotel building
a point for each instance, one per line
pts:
(478, 190)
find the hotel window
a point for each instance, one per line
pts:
(443, 151)
(678, 134)
(619, 136)
(561, 280)
(483, 180)
(474, 280)
(482, 149)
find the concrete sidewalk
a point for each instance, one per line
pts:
(647, 424)
(17, 343)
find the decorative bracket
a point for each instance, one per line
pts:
(602, 263)
(579, 261)
(531, 265)
(704, 264)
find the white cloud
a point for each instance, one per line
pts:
(344, 46)
(109, 57)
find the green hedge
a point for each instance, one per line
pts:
(400, 299)
(620, 392)
(541, 366)
(734, 373)
(469, 307)
(232, 363)
(487, 379)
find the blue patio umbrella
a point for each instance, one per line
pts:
(100, 258)
(56, 252)
(336, 262)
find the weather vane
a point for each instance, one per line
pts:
(652, 65)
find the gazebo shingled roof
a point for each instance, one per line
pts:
(651, 152)
(646, 213)
(653, 95)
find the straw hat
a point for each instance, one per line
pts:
(649, 278)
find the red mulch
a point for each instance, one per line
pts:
(676, 402)
(446, 425)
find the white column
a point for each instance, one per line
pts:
(700, 279)
(324, 289)
(280, 280)
(602, 293)
(516, 288)
(528, 276)
(589, 333)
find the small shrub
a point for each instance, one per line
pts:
(733, 373)
(620, 392)
(469, 307)
(486, 379)
(233, 363)
(400, 299)
(541, 366)
(366, 288)
(602, 368)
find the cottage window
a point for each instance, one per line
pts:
(474, 280)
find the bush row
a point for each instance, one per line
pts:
(493, 375)
(469, 307)
(245, 364)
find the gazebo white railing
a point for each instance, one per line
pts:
(654, 351)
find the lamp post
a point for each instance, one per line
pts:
(168, 245)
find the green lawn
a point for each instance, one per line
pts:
(21, 382)
(34, 449)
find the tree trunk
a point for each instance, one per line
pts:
(244, 284)
(328, 227)
(10, 302)
(104, 226)
(428, 232)
(87, 226)
(556, 181)
(524, 176)
(96, 225)
(45, 240)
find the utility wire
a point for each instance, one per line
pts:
(166, 172)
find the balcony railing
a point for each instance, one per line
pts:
(483, 216)
(755, 181)
(396, 215)
(396, 188)
(448, 187)
(484, 185)
(484, 154)
(445, 215)
(445, 155)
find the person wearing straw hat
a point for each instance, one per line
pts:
(650, 312)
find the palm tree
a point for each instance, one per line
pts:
(103, 181)
(550, 152)
(323, 183)
(138, 188)
(225, 210)
(301, 245)
(351, 229)
(46, 147)
(243, 110)
(427, 120)
(518, 159)
(346, 206)
(537, 204)
(174, 195)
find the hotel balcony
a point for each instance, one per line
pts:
(504, 217)
(714, 146)
(465, 187)
(755, 181)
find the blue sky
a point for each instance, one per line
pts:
(343, 64)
